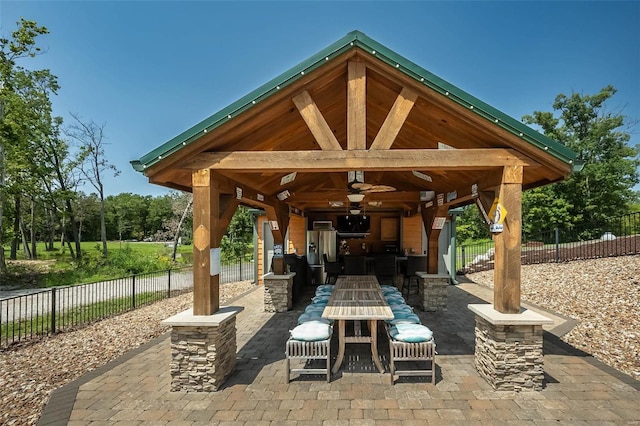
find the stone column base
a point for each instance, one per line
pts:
(432, 291)
(203, 349)
(278, 292)
(509, 348)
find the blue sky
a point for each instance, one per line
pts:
(150, 70)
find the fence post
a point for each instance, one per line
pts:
(169, 283)
(464, 258)
(53, 310)
(557, 235)
(133, 292)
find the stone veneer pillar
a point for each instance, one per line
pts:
(509, 348)
(203, 349)
(278, 292)
(432, 291)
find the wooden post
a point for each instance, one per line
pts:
(278, 214)
(433, 235)
(212, 212)
(506, 291)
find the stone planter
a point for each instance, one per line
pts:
(203, 349)
(278, 292)
(509, 348)
(432, 291)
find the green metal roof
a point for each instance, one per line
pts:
(350, 41)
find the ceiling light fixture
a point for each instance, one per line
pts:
(355, 197)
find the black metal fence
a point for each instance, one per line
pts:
(620, 237)
(49, 311)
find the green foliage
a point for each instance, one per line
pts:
(122, 260)
(238, 240)
(470, 226)
(604, 187)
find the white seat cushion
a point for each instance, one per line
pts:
(311, 331)
(411, 333)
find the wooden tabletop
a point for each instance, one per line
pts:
(357, 297)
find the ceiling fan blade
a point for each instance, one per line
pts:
(379, 188)
(360, 186)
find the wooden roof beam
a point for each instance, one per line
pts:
(316, 122)
(336, 161)
(395, 119)
(356, 106)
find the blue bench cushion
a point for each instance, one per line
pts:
(404, 319)
(320, 299)
(313, 317)
(316, 307)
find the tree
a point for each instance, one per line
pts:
(604, 187)
(239, 236)
(93, 163)
(178, 231)
(13, 127)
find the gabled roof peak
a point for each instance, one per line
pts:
(357, 39)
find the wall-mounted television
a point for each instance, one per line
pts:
(353, 224)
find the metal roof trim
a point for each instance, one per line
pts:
(467, 100)
(246, 102)
(352, 40)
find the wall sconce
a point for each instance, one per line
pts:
(355, 197)
(283, 195)
(427, 195)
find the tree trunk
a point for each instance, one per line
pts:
(62, 233)
(34, 251)
(179, 229)
(3, 264)
(25, 244)
(52, 230)
(103, 225)
(74, 231)
(15, 242)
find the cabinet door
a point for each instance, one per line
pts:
(389, 228)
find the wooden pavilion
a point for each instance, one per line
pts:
(356, 106)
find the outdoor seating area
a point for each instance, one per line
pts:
(357, 299)
(137, 387)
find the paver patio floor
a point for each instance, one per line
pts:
(136, 388)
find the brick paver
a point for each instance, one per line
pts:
(135, 389)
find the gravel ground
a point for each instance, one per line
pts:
(29, 373)
(603, 295)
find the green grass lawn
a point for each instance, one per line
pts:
(56, 267)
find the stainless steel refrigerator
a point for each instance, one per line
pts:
(320, 243)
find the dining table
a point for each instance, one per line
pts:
(357, 298)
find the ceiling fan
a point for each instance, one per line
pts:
(358, 188)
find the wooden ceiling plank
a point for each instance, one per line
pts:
(395, 119)
(336, 161)
(315, 121)
(356, 106)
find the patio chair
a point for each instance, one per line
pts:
(308, 349)
(414, 352)
(386, 268)
(355, 265)
(415, 264)
(332, 269)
